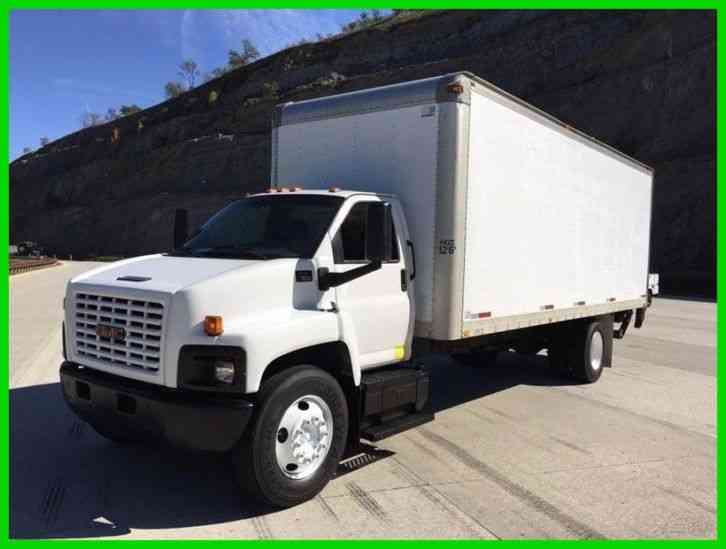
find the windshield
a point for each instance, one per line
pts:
(265, 227)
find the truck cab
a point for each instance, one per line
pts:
(192, 345)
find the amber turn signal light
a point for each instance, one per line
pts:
(213, 325)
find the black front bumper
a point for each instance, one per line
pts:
(183, 418)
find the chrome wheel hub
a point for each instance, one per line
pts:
(596, 350)
(303, 437)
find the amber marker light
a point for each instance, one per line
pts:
(213, 325)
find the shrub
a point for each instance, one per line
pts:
(126, 110)
(89, 119)
(241, 58)
(270, 90)
(173, 89)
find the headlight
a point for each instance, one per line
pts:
(224, 371)
(212, 368)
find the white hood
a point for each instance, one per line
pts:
(160, 273)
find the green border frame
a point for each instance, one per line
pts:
(320, 4)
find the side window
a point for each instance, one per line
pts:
(352, 234)
(349, 244)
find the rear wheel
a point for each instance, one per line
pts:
(583, 350)
(297, 438)
(587, 362)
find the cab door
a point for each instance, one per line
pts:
(377, 307)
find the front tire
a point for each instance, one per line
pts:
(297, 438)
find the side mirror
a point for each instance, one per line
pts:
(180, 227)
(379, 224)
(378, 231)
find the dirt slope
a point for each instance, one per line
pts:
(643, 82)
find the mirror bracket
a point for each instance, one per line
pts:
(181, 227)
(327, 280)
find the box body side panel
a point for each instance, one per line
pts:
(551, 223)
(450, 237)
(386, 151)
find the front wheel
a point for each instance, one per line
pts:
(297, 439)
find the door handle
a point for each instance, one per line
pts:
(413, 259)
(404, 280)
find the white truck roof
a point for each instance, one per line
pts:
(419, 92)
(326, 192)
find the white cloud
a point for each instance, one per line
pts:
(269, 30)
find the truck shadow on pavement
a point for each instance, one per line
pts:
(68, 482)
(456, 383)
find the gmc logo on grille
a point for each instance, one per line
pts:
(110, 332)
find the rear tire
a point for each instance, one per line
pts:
(271, 440)
(588, 360)
(582, 350)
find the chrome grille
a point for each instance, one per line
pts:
(142, 321)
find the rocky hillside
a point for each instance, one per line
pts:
(641, 81)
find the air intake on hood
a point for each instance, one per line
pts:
(134, 278)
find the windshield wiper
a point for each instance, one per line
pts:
(226, 251)
(181, 252)
(232, 250)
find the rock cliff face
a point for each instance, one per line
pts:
(643, 82)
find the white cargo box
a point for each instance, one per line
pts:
(517, 219)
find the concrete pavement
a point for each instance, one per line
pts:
(515, 452)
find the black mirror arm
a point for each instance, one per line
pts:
(327, 280)
(181, 228)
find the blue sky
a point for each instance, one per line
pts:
(64, 63)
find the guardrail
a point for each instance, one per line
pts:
(18, 266)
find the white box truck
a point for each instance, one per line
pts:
(450, 217)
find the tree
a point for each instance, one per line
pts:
(188, 70)
(365, 19)
(174, 89)
(216, 73)
(239, 59)
(89, 119)
(126, 110)
(111, 115)
(44, 141)
(299, 42)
